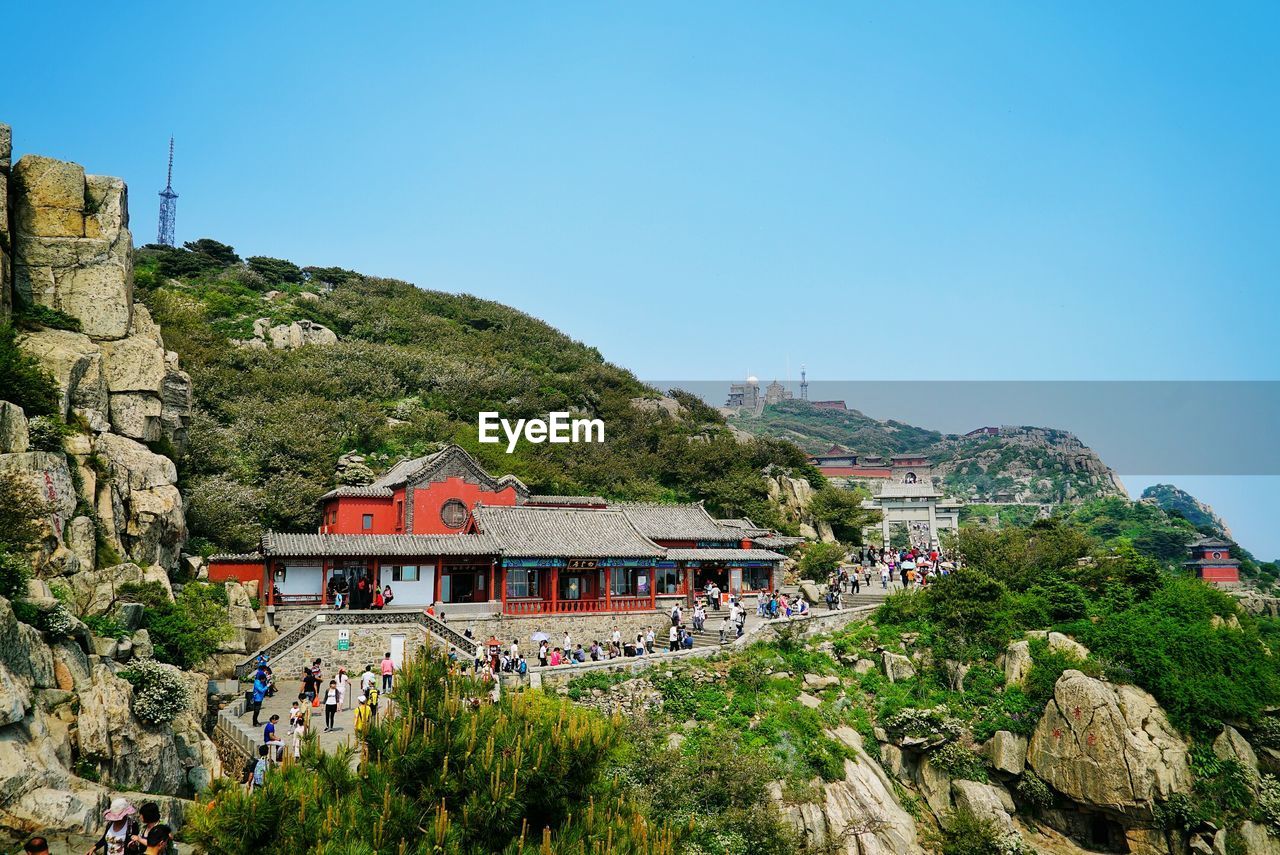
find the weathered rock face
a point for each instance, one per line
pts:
(1231, 745)
(14, 437)
(859, 814)
(793, 496)
(6, 153)
(1108, 745)
(136, 756)
(897, 667)
(289, 336)
(1007, 752)
(986, 801)
(75, 361)
(72, 249)
(49, 476)
(139, 503)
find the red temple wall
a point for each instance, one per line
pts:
(1220, 574)
(427, 502)
(235, 571)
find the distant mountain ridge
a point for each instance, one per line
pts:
(1176, 500)
(1032, 465)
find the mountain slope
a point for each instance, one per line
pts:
(409, 368)
(1023, 464)
(1176, 500)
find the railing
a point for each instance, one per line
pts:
(296, 600)
(322, 619)
(589, 606)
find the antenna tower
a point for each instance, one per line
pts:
(168, 206)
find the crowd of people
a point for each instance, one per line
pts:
(363, 593)
(907, 569)
(127, 830)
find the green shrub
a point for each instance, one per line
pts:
(1180, 812)
(159, 692)
(960, 761)
(14, 573)
(58, 622)
(190, 629)
(1047, 666)
(1034, 792)
(820, 560)
(46, 433)
(36, 316)
(23, 379)
(966, 833)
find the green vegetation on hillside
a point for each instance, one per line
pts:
(530, 774)
(412, 369)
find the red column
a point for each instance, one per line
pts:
(377, 575)
(555, 587)
(493, 581)
(608, 588)
(269, 583)
(324, 581)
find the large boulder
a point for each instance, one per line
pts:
(137, 415)
(897, 667)
(14, 438)
(134, 755)
(1108, 745)
(300, 334)
(75, 362)
(98, 591)
(72, 250)
(1007, 752)
(140, 506)
(48, 474)
(986, 801)
(1231, 745)
(857, 815)
(1017, 663)
(136, 363)
(175, 402)
(1257, 840)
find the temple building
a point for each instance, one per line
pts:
(1211, 561)
(439, 529)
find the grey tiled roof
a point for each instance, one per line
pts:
(777, 541)
(566, 500)
(290, 545)
(675, 522)
(723, 555)
(522, 531)
(918, 490)
(369, 491)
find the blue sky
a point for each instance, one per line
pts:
(952, 191)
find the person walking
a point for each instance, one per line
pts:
(388, 670)
(259, 691)
(367, 680)
(330, 706)
(299, 733)
(344, 688)
(673, 639)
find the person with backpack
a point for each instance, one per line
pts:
(331, 698)
(372, 696)
(258, 772)
(363, 718)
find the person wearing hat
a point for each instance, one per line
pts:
(121, 827)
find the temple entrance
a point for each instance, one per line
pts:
(707, 574)
(578, 585)
(464, 584)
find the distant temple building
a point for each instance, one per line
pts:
(439, 529)
(1211, 561)
(746, 396)
(840, 462)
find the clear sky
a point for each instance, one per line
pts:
(950, 191)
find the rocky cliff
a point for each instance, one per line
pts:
(70, 732)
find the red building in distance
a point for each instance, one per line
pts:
(1211, 561)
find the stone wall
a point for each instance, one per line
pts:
(368, 645)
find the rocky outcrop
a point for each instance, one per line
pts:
(288, 336)
(161, 758)
(1108, 746)
(72, 250)
(986, 801)
(792, 496)
(857, 815)
(6, 240)
(661, 404)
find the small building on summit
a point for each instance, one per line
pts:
(1211, 561)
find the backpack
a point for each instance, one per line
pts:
(372, 694)
(259, 771)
